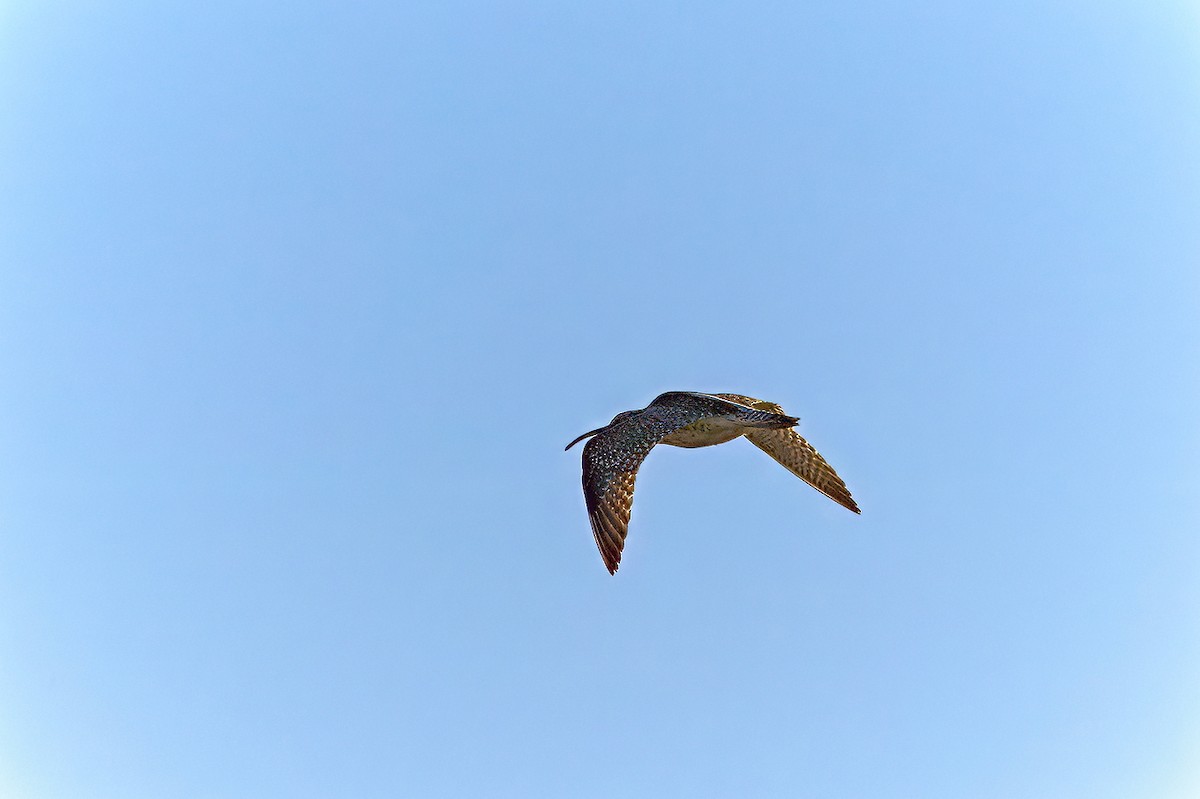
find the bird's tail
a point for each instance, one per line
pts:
(756, 418)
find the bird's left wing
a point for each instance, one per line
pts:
(611, 459)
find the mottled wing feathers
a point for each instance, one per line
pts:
(609, 494)
(611, 459)
(796, 455)
(693, 406)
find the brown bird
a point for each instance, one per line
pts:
(687, 419)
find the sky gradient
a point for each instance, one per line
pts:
(299, 306)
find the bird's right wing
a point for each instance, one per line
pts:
(796, 455)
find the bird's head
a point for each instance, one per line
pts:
(620, 417)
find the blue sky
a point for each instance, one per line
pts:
(299, 306)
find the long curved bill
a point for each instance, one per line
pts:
(585, 435)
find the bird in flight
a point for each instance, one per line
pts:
(687, 419)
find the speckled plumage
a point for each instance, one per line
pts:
(687, 419)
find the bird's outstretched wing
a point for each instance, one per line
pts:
(795, 454)
(611, 458)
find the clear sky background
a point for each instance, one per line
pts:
(300, 303)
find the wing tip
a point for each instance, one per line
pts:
(845, 500)
(609, 544)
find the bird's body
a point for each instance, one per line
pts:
(705, 433)
(687, 419)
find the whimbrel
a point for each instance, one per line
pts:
(687, 419)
